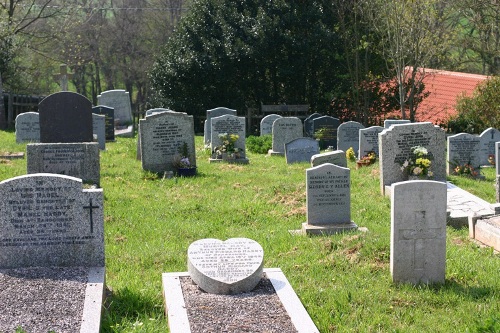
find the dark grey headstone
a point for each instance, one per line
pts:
(488, 138)
(309, 126)
(110, 120)
(301, 150)
(65, 117)
(330, 124)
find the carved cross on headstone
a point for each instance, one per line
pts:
(90, 207)
(63, 76)
(419, 234)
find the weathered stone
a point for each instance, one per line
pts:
(487, 147)
(285, 130)
(368, 140)
(389, 122)
(212, 113)
(28, 127)
(329, 125)
(266, 124)
(309, 125)
(109, 113)
(301, 150)
(348, 136)
(463, 148)
(99, 129)
(336, 157)
(119, 100)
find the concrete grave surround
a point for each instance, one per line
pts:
(65, 117)
(395, 145)
(486, 230)
(389, 122)
(348, 136)
(336, 157)
(418, 232)
(328, 200)
(161, 135)
(119, 100)
(266, 124)
(330, 124)
(309, 125)
(301, 150)
(463, 148)
(80, 160)
(368, 140)
(99, 129)
(230, 267)
(488, 138)
(109, 113)
(28, 127)
(212, 113)
(285, 129)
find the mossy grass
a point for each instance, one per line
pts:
(342, 280)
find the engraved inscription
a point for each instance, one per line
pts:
(406, 141)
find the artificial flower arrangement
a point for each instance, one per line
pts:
(418, 164)
(181, 162)
(227, 148)
(466, 170)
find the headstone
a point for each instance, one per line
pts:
(119, 100)
(301, 150)
(229, 124)
(155, 111)
(285, 130)
(497, 158)
(395, 145)
(418, 232)
(230, 267)
(348, 136)
(80, 160)
(65, 117)
(368, 140)
(109, 113)
(463, 148)
(99, 129)
(330, 126)
(309, 126)
(488, 138)
(328, 200)
(212, 113)
(161, 136)
(148, 113)
(28, 127)
(389, 122)
(266, 124)
(336, 157)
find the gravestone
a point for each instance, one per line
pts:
(328, 200)
(266, 124)
(301, 150)
(155, 111)
(230, 267)
(418, 232)
(389, 122)
(309, 125)
(50, 225)
(229, 124)
(212, 113)
(99, 129)
(336, 157)
(488, 138)
(109, 113)
(497, 169)
(463, 148)
(348, 136)
(119, 100)
(395, 145)
(285, 130)
(63, 77)
(147, 114)
(28, 127)
(162, 135)
(65, 117)
(368, 140)
(330, 126)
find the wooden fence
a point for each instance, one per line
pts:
(16, 104)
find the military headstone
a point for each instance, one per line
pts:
(301, 150)
(336, 157)
(285, 130)
(119, 100)
(329, 125)
(328, 200)
(418, 232)
(463, 148)
(266, 124)
(368, 140)
(212, 113)
(348, 136)
(162, 134)
(488, 138)
(389, 122)
(309, 126)
(65, 117)
(99, 129)
(109, 113)
(395, 145)
(28, 127)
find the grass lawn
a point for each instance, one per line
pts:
(343, 280)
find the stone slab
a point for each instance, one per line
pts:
(301, 150)
(368, 140)
(309, 125)
(336, 157)
(487, 231)
(389, 122)
(228, 124)
(124, 131)
(330, 125)
(463, 148)
(487, 147)
(348, 136)
(266, 124)
(109, 113)
(28, 127)
(175, 308)
(212, 113)
(327, 229)
(462, 204)
(94, 299)
(99, 129)
(11, 156)
(80, 160)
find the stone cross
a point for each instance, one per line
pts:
(63, 76)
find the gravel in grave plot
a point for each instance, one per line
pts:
(259, 310)
(42, 299)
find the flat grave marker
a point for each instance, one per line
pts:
(336, 157)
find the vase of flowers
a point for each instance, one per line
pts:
(227, 150)
(418, 164)
(182, 163)
(366, 160)
(466, 170)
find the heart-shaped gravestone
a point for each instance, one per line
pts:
(230, 267)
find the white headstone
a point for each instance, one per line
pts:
(118, 99)
(28, 127)
(228, 124)
(285, 130)
(368, 140)
(348, 136)
(266, 124)
(418, 232)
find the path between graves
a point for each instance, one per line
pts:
(461, 204)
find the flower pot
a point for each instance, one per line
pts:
(360, 164)
(186, 172)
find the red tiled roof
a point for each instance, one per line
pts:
(444, 88)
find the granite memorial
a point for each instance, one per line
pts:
(285, 130)
(348, 136)
(266, 124)
(28, 127)
(301, 150)
(368, 140)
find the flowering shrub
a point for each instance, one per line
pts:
(418, 164)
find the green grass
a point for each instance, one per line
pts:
(343, 280)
